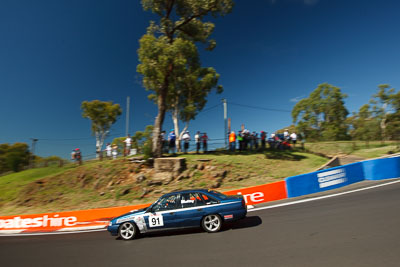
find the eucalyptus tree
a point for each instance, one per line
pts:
(190, 96)
(103, 115)
(381, 102)
(322, 115)
(168, 50)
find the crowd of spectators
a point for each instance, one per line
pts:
(246, 140)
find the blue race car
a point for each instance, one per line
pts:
(182, 209)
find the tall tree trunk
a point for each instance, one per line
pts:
(157, 142)
(183, 131)
(176, 128)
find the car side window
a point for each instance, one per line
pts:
(166, 203)
(208, 200)
(189, 200)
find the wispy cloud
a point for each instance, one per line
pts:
(297, 98)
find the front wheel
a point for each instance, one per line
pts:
(127, 231)
(211, 223)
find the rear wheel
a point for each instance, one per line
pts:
(211, 223)
(127, 231)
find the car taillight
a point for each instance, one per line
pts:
(243, 203)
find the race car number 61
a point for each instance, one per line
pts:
(156, 220)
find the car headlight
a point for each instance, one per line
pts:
(110, 223)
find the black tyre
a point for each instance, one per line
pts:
(211, 223)
(127, 231)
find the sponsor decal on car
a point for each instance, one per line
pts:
(227, 217)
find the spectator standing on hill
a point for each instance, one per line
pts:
(293, 137)
(246, 138)
(286, 134)
(78, 156)
(255, 139)
(171, 141)
(108, 151)
(240, 139)
(232, 141)
(204, 139)
(114, 151)
(186, 140)
(197, 140)
(128, 143)
(164, 142)
(73, 154)
(263, 136)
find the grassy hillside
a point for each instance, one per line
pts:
(360, 148)
(120, 182)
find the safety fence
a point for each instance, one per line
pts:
(291, 187)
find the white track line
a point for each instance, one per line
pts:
(255, 209)
(322, 197)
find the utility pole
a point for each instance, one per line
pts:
(225, 122)
(32, 158)
(127, 115)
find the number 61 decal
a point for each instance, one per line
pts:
(156, 220)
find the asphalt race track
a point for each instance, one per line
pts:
(358, 229)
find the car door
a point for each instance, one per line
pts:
(162, 214)
(191, 210)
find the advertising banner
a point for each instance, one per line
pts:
(99, 218)
(62, 221)
(261, 193)
(324, 180)
(382, 168)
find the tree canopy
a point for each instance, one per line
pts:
(103, 115)
(322, 115)
(14, 157)
(168, 53)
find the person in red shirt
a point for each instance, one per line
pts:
(204, 139)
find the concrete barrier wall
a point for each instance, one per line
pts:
(379, 169)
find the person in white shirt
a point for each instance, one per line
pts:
(286, 134)
(128, 143)
(114, 151)
(108, 150)
(186, 139)
(197, 140)
(293, 137)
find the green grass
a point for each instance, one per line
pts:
(259, 168)
(375, 152)
(351, 147)
(11, 184)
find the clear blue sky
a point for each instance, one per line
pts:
(270, 53)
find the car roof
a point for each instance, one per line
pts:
(188, 191)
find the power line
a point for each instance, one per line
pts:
(262, 108)
(74, 139)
